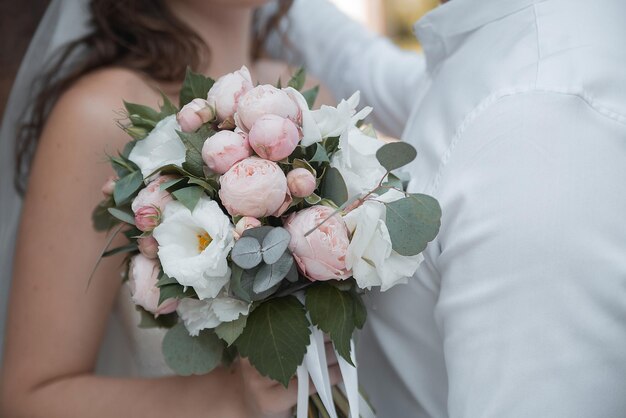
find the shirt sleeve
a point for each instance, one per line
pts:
(532, 261)
(347, 57)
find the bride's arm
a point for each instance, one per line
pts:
(56, 324)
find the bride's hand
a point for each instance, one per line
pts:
(266, 398)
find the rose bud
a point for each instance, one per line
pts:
(147, 218)
(253, 187)
(143, 277)
(225, 94)
(245, 223)
(322, 254)
(194, 114)
(222, 150)
(273, 137)
(301, 182)
(265, 100)
(152, 195)
(148, 246)
(109, 186)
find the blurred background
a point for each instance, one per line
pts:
(19, 19)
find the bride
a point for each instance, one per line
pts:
(126, 50)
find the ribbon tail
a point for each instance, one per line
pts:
(317, 365)
(303, 392)
(350, 381)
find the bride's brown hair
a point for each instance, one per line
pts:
(142, 35)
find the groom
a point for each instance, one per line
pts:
(518, 111)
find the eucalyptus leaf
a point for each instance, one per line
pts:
(240, 283)
(127, 186)
(293, 275)
(334, 186)
(101, 218)
(394, 155)
(174, 291)
(122, 216)
(195, 86)
(187, 355)
(413, 222)
(165, 280)
(275, 244)
(247, 252)
(257, 233)
(320, 156)
(276, 338)
(311, 95)
(270, 275)
(335, 312)
(171, 183)
(298, 79)
(189, 196)
(230, 331)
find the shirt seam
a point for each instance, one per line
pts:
(538, 44)
(490, 100)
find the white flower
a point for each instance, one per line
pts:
(193, 246)
(370, 255)
(357, 163)
(310, 131)
(160, 148)
(206, 314)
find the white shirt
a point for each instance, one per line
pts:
(518, 112)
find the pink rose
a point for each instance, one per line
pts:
(265, 100)
(143, 277)
(147, 218)
(245, 223)
(109, 186)
(227, 91)
(194, 114)
(273, 137)
(148, 246)
(222, 150)
(322, 254)
(301, 182)
(253, 187)
(152, 195)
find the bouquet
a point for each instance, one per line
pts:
(255, 225)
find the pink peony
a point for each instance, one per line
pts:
(194, 114)
(143, 277)
(253, 187)
(109, 186)
(222, 150)
(301, 182)
(227, 91)
(322, 254)
(152, 195)
(247, 222)
(148, 246)
(265, 100)
(273, 137)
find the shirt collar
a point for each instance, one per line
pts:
(456, 18)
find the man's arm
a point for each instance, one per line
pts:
(347, 57)
(532, 307)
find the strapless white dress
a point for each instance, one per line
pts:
(130, 351)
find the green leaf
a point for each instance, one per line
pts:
(174, 291)
(165, 280)
(122, 216)
(142, 116)
(360, 312)
(334, 187)
(119, 250)
(148, 320)
(230, 331)
(187, 355)
(413, 222)
(195, 86)
(101, 218)
(240, 283)
(335, 312)
(298, 79)
(299, 163)
(270, 275)
(311, 95)
(189, 196)
(313, 199)
(395, 155)
(127, 186)
(276, 338)
(167, 108)
(171, 183)
(194, 142)
(320, 156)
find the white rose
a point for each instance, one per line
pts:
(160, 148)
(206, 314)
(357, 163)
(194, 246)
(370, 254)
